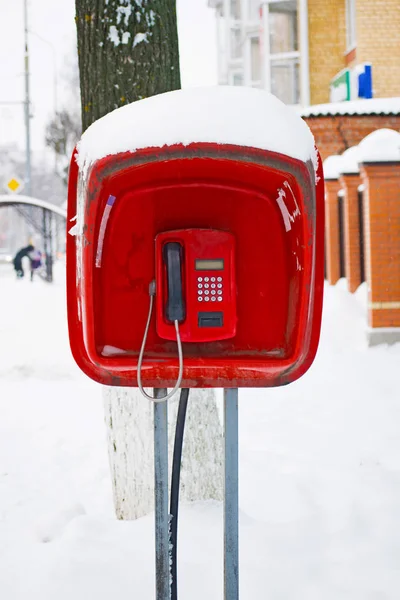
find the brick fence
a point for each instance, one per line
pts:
(382, 220)
(335, 133)
(362, 228)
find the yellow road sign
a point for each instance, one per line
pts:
(13, 185)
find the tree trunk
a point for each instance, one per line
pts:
(129, 419)
(128, 50)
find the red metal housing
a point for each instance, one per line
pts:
(274, 210)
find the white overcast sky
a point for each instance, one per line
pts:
(52, 25)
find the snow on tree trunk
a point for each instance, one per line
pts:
(129, 419)
(128, 50)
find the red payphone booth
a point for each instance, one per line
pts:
(195, 259)
(230, 234)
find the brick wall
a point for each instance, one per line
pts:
(381, 224)
(334, 134)
(332, 250)
(349, 184)
(327, 40)
(382, 228)
(378, 42)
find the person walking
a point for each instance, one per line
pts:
(35, 256)
(17, 262)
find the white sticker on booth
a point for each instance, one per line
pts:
(288, 217)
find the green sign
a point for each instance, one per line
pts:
(340, 87)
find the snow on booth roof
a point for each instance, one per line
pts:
(220, 114)
(382, 145)
(374, 106)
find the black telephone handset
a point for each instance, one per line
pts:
(175, 307)
(174, 310)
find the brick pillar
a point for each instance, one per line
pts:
(349, 184)
(382, 242)
(332, 187)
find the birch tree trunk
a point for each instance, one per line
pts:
(129, 419)
(128, 50)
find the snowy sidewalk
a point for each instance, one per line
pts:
(319, 473)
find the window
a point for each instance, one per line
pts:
(255, 61)
(283, 32)
(236, 78)
(236, 43)
(254, 9)
(285, 81)
(235, 9)
(350, 23)
(284, 49)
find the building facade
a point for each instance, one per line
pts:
(310, 51)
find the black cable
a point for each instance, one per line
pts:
(175, 478)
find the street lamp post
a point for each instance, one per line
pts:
(55, 99)
(27, 103)
(54, 58)
(28, 180)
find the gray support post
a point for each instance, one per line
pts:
(49, 262)
(27, 108)
(161, 496)
(231, 496)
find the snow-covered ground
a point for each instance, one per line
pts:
(319, 473)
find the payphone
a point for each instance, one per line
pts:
(195, 284)
(208, 204)
(216, 195)
(195, 290)
(232, 237)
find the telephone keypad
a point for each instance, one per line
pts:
(204, 291)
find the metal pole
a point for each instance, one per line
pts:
(266, 53)
(28, 179)
(304, 53)
(231, 496)
(161, 496)
(49, 270)
(54, 59)
(44, 233)
(227, 35)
